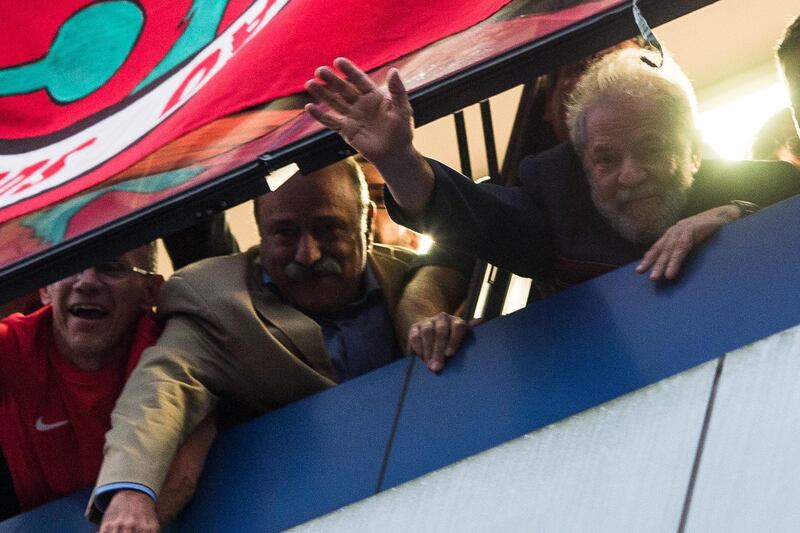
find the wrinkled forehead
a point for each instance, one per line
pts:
(310, 197)
(626, 118)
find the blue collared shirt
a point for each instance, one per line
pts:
(360, 337)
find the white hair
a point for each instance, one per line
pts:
(624, 73)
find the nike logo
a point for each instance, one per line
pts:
(41, 426)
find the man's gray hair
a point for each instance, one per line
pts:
(353, 170)
(623, 73)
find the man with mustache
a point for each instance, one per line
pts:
(618, 192)
(312, 306)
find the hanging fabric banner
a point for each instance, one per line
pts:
(89, 88)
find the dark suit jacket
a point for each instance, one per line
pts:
(548, 227)
(529, 229)
(226, 336)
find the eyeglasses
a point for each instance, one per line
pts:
(111, 271)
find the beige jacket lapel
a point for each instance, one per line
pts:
(301, 335)
(390, 264)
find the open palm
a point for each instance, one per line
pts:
(373, 122)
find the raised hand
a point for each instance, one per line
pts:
(377, 124)
(373, 122)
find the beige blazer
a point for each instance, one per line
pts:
(226, 336)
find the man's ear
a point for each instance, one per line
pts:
(153, 285)
(44, 296)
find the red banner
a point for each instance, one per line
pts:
(87, 89)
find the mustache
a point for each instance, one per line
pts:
(323, 266)
(641, 191)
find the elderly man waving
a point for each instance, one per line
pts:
(617, 193)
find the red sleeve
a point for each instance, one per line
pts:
(8, 348)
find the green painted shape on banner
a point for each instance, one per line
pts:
(87, 51)
(202, 21)
(50, 225)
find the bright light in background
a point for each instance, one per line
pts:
(730, 128)
(425, 244)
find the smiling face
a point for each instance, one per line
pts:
(314, 239)
(95, 317)
(639, 165)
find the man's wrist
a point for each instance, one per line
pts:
(410, 180)
(401, 163)
(102, 497)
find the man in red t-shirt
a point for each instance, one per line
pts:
(61, 371)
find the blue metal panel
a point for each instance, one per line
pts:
(599, 340)
(572, 352)
(59, 516)
(301, 461)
